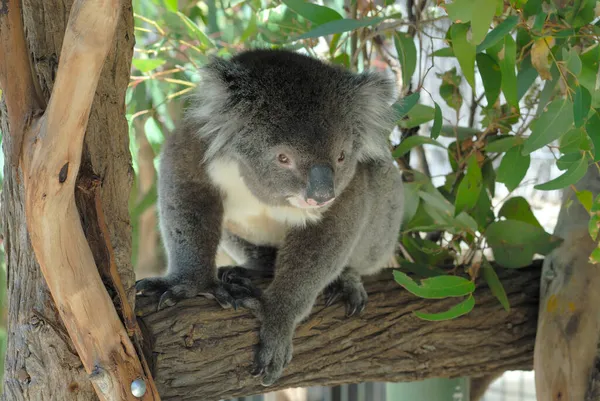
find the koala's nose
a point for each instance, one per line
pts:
(320, 188)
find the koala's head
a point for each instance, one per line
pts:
(296, 126)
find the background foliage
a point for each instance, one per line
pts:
(490, 82)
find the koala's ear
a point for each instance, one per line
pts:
(211, 109)
(374, 96)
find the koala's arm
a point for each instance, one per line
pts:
(190, 216)
(309, 260)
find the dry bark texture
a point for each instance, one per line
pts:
(41, 363)
(202, 352)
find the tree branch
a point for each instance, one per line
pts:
(16, 80)
(50, 161)
(202, 352)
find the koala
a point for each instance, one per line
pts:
(282, 162)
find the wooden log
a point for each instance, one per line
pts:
(202, 352)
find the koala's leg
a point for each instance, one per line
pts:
(190, 216)
(311, 258)
(349, 287)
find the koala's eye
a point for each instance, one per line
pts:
(283, 159)
(341, 157)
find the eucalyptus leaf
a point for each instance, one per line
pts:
(498, 33)
(407, 55)
(513, 167)
(469, 187)
(458, 310)
(412, 141)
(515, 242)
(572, 176)
(436, 287)
(313, 12)
(492, 280)
(464, 51)
(551, 125)
(339, 26)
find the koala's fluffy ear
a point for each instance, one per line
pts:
(212, 108)
(374, 115)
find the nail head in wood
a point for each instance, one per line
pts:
(138, 388)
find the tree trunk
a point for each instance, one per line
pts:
(41, 363)
(201, 352)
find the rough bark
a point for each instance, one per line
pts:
(202, 352)
(41, 363)
(567, 363)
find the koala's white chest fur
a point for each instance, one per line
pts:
(249, 218)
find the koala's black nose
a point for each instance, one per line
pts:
(320, 188)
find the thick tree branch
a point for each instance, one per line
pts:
(566, 351)
(16, 80)
(50, 161)
(202, 352)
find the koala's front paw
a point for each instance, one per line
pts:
(172, 291)
(273, 353)
(351, 291)
(239, 276)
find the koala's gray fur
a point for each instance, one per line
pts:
(224, 183)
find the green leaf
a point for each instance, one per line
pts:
(145, 65)
(456, 311)
(507, 62)
(469, 187)
(569, 159)
(461, 133)
(404, 105)
(422, 270)
(515, 242)
(484, 11)
(569, 177)
(437, 122)
(503, 144)
(411, 201)
(594, 226)
(450, 88)
(498, 33)
(171, 5)
(491, 77)
(526, 77)
(592, 127)
(581, 105)
(575, 140)
(436, 287)
(407, 55)
(195, 31)
(595, 256)
(460, 10)
(419, 114)
(556, 120)
(444, 52)
(416, 140)
(586, 198)
(338, 26)
(465, 52)
(492, 280)
(517, 208)
(513, 167)
(313, 12)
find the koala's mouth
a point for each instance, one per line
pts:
(300, 203)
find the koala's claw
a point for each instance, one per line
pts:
(271, 357)
(239, 278)
(353, 293)
(171, 293)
